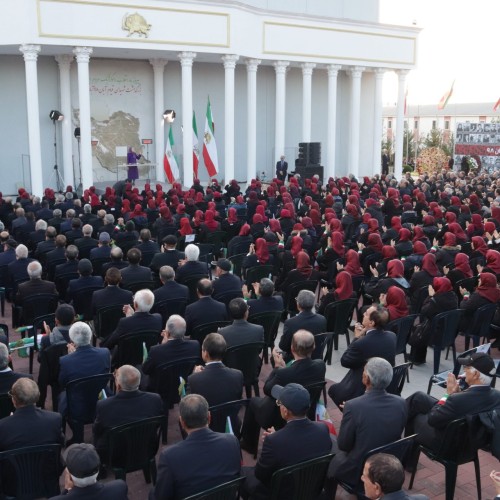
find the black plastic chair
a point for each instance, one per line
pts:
(402, 327)
(246, 358)
(302, 481)
(191, 282)
(220, 413)
(168, 307)
(62, 282)
(82, 302)
(399, 374)
(293, 291)
(217, 239)
(97, 265)
(228, 296)
(130, 347)
(421, 294)
(468, 283)
(456, 448)
(201, 331)
(6, 406)
(270, 321)
(237, 261)
(134, 446)
(225, 491)
(106, 320)
(37, 326)
(315, 391)
(444, 330)
(38, 305)
(479, 327)
(49, 373)
(84, 393)
(256, 273)
(139, 285)
(35, 470)
(338, 318)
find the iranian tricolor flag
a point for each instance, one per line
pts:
(495, 107)
(444, 100)
(169, 162)
(196, 150)
(209, 146)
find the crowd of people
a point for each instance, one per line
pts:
(174, 260)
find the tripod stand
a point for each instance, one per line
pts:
(79, 187)
(56, 175)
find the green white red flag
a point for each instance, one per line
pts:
(446, 97)
(209, 145)
(169, 162)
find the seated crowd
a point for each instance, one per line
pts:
(135, 299)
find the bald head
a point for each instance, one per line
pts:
(303, 344)
(128, 378)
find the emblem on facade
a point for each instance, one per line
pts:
(207, 137)
(135, 24)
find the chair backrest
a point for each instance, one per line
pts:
(191, 282)
(294, 290)
(34, 470)
(467, 283)
(399, 449)
(225, 491)
(132, 446)
(219, 416)
(168, 307)
(49, 363)
(444, 327)
(422, 294)
(236, 261)
(201, 331)
(302, 481)
(228, 296)
(130, 347)
(245, 357)
(62, 282)
(97, 265)
(38, 305)
(481, 320)
(37, 326)
(168, 378)
(82, 301)
(140, 285)
(315, 391)
(357, 283)
(338, 315)
(83, 393)
(106, 320)
(398, 379)
(456, 444)
(321, 341)
(6, 406)
(270, 321)
(402, 328)
(256, 273)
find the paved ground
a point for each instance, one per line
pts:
(430, 479)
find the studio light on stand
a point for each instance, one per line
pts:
(169, 115)
(77, 137)
(56, 116)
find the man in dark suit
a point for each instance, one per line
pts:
(71, 264)
(205, 309)
(35, 285)
(75, 232)
(47, 245)
(215, 382)
(37, 236)
(45, 212)
(127, 406)
(112, 294)
(213, 458)
(66, 224)
(146, 245)
(80, 476)
(355, 437)
(191, 266)
(225, 282)
(82, 360)
(429, 417)
(116, 260)
(135, 273)
(55, 257)
(281, 168)
(86, 280)
(298, 441)
(173, 347)
(307, 319)
(7, 376)
(241, 331)
(169, 256)
(370, 340)
(17, 271)
(7, 257)
(56, 220)
(86, 243)
(137, 318)
(263, 412)
(103, 250)
(265, 301)
(170, 289)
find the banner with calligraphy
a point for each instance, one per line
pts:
(480, 141)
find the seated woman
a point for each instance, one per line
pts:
(395, 276)
(404, 245)
(415, 259)
(372, 252)
(441, 298)
(209, 225)
(479, 249)
(258, 255)
(446, 254)
(460, 271)
(232, 225)
(334, 250)
(492, 263)
(343, 290)
(419, 235)
(395, 302)
(241, 243)
(388, 253)
(352, 265)
(422, 276)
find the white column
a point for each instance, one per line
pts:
(307, 71)
(400, 125)
(356, 73)
(252, 65)
(30, 54)
(229, 66)
(279, 132)
(377, 122)
(333, 71)
(159, 106)
(64, 61)
(82, 58)
(186, 59)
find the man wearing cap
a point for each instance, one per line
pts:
(169, 255)
(80, 476)
(225, 282)
(429, 417)
(103, 251)
(205, 459)
(300, 440)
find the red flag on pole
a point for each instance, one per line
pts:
(444, 100)
(495, 107)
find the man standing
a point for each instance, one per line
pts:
(385, 162)
(281, 168)
(370, 340)
(213, 458)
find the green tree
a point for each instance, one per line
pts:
(434, 139)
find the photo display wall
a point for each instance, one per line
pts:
(480, 141)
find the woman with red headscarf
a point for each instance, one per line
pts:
(419, 235)
(257, 228)
(415, 259)
(232, 224)
(479, 249)
(391, 205)
(164, 224)
(352, 265)
(240, 244)
(303, 271)
(395, 276)
(404, 245)
(446, 254)
(460, 271)
(334, 250)
(395, 302)
(441, 298)
(372, 252)
(456, 229)
(492, 263)
(350, 222)
(343, 290)
(258, 255)
(125, 211)
(388, 253)
(421, 278)
(209, 225)
(476, 227)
